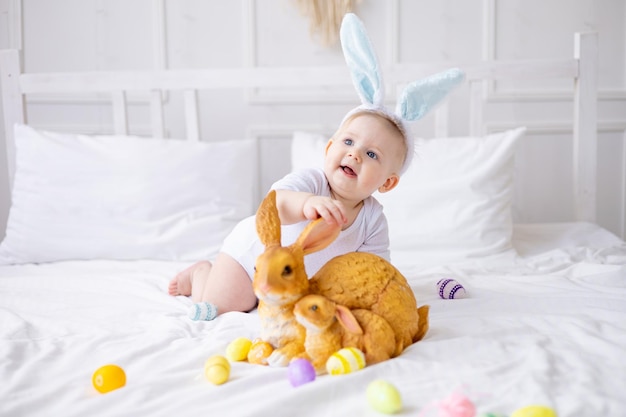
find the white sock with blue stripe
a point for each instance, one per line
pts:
(203, 311)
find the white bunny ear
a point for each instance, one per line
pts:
(361, 60)
(419, 97)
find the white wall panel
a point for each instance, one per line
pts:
(281, 37)
(204, 33)
(611, 180)
(440, 31)
(10, 37)
(74, 35)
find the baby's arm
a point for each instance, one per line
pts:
(297, 206)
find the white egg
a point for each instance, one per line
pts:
(449, 289)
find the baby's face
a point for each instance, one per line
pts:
(365, 155)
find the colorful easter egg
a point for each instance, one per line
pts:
(383, 397)
(449, 289)
(238, 349)
(108, 378)
(534, 411)
(259, 352)
(217, 369)
(462, 405)
(300, 371)
(344, 361)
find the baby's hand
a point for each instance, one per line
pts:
(330, 210)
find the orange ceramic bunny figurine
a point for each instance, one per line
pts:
(357, 280)
(330, 327)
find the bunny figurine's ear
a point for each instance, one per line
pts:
(419, 97)
(361, 60)
(268, 221)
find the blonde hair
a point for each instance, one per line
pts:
(392, 121)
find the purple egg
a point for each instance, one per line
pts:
(300, 371)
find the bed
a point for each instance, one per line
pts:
(100, 223)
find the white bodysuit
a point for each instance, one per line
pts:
(368, 233)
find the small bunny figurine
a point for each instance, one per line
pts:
(330, 327)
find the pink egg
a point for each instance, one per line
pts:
(300, 371)
(449, 289)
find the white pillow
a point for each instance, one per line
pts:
(307, 150)
(122, 197)
(454, 202)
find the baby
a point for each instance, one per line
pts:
(368, 153)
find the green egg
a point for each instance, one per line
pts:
(384, 397)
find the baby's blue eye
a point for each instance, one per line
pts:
(348, 142)
(372, 155)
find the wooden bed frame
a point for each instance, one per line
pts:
(582, 68)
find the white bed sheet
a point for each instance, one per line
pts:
(546, 327)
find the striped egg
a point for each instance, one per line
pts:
(344, 361)
(449, 289)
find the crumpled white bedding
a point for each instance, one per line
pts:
(545, 327)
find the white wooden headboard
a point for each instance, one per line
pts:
(582, 68)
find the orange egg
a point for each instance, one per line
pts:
(259, 352)
(108, 378)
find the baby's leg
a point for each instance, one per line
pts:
(183, 282)
(227, 286)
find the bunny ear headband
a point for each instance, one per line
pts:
(417, 99)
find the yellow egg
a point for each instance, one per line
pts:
(534, 411)
(344, 361)
(217, 369)
(238, 349)
(108, 378)
(384, 397)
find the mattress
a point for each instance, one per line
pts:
(543, 325)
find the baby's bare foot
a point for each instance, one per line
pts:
(182, 283)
